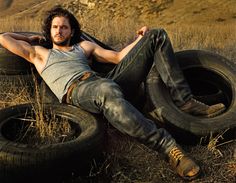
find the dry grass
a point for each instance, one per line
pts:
(10, 94)
(14, 24)
(128, 161)
(50, 128)
(43, 128)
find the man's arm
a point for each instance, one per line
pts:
(19, 45)
(110, 56)
(140, 33)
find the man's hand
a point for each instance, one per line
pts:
(18, 44)
(36, 39)
(33, 40)
(142, 31)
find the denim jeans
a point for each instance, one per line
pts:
(153, 48)
(107, 95)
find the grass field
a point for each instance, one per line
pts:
(128, 161)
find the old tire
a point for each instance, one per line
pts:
(20, 159)
(208, 74)
(11, 64)
(46, 94)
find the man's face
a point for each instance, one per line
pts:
(61, 31)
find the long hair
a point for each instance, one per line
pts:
(58, 11)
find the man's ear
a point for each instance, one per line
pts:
(72, 32)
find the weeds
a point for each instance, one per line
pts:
(49, 130)
(39, 127)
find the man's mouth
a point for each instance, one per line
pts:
(59, 36)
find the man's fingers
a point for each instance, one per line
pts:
(139, 32)
(142, 31)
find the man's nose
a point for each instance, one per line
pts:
(59, 30)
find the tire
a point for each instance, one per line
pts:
(29, 160)
(16, 81)
(88, 37)
(209, 76)
(101, 68)
(46, 94)
(11, 64)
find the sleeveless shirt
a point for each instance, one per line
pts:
(64, 67)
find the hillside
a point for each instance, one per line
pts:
(164, 12)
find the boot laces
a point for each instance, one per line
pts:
(200, 103)
(176, 154)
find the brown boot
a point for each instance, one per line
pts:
(198, 108)
(183, 164)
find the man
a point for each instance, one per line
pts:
(64, 67)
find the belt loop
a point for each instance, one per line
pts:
(85, 76)
(69, 92)
(67, 97)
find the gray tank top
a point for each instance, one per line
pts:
(63, 67)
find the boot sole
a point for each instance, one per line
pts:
(217, 113)
(192, 177)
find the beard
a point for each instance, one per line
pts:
(61, 43)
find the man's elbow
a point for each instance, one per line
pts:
(5, 34)
(119, 57)
(3, 37)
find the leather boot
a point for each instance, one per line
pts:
(198, 108)
(183, 164)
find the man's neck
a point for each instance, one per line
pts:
(62, 48)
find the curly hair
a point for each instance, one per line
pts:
(58, 11)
